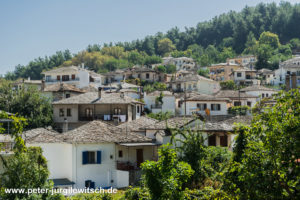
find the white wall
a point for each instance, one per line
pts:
(259, 93)
(192, 106)
(101, 174)
(84, 79)
(168, 103)
(59, 157)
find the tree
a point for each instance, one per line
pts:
(227, 85)
(165, 46)
(269, 38)
(27, 102)
(170, 69)
(204, 72)
(165, 178)
(264, 53)
(266, 157)
(161, 68)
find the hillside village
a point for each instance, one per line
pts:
(211, 112)
(102, 130)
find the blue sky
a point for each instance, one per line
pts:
(33, 28)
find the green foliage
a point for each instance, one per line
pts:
(207, 162)
(161, 68)
(270, 39)
(159, 99)
(203, 72)
(267, 166)
(92, 196)
(208, 193)
(161, 115)
(165, 46)
(136, 193)
(149, 60)
(155, 86)
(238, 110)
(165, 178)
(170, 69)
(27, 102)
(228, 85)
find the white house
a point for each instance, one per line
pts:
(77, 76)
(113, 107)
(238, 98)
(205, 105)
(288, 68)
(245, 76)
(194, 83)
(181, 63)
(94, 155)
(259, 91)
(155, 107)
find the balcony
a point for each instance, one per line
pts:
(126, 166)
(50, 80)
(108, 117)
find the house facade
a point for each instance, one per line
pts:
(111, 107)
(222, 71)
(259, 91)
(181, 63)
(290, 70)
(94, 155)
(144, 74)
(195, 83)
(245, 76)
(168, 104)
(77, 76)
(238, 98)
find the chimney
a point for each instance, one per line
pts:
(28, 78)
(99, 92)
(294, 80)
(287, 82)
(65, 125)
(82, 65)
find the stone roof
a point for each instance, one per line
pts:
(227, 124)
(206, 97)
(59, 87)
(67, 69)
(100, 132)
(291, 63)
(42, 135)
(138, 124)
(245, 69)
(257, 88)
(233, 94)
(175, 122)
(92, 98)
(191, 77)
(157, 93)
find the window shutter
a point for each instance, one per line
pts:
(98, 157)
(58, 78)
(84, 157)
(205, 106)
(219, 106)
(92, 184)
(212, 106)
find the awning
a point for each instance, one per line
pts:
(62, 181)
(139, 144)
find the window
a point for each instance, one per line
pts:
(68, 96)
(69, 112)
(117, 111)
(262, 95)
(137, 109)
(215, 107)
(61, 112)
(88, 112)
(248, 76)
(58, 77)
(91, 157)
(267, 94)
(179, 104)
(89, 184)
(212, 140)
(147, 76)
(202, 106)
(237, 103)
(65, 78)
(194, 85)
(120, 154)
(48, 78)
(73, 76)
(239, 74)
(249, 103)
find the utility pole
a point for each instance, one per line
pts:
(184, 99)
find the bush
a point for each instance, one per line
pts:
(136, 194)
(238, 110)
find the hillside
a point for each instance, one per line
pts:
(213, 41)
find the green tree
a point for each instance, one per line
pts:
(161, 68)
(27, 102)
(165, 46)
(227, 85)
(170, 69)
(266, 157)
(165, 178)
(269, 38)
(204, 72)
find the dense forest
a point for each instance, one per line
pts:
(269, 31)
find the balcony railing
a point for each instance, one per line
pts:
(126, 166)
(55, 80)
(108, 117)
